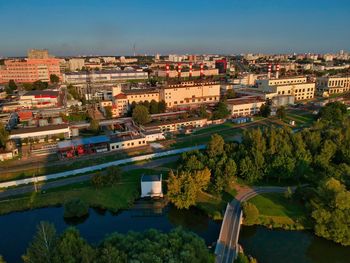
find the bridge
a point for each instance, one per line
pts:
(227, 246)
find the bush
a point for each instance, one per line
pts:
(75, 208)
(110, 177)
(251, 213)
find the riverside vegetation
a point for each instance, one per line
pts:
(318, 157)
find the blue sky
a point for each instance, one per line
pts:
(111, 27)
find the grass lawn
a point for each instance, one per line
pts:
(215, 206)
(68, 165)
(277, 211)
(113, 198)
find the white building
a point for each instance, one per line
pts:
(76, 64)
(151, 186)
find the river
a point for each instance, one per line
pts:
(17, 229)
(268, 246)
(277, 246)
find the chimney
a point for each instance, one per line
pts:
(202, 70)
(277, 70)
(269, 71)
(167, 70)
(190, 69)
(179, 70)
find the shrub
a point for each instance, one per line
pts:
(75, 208)
(251, 213)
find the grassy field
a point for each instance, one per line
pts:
(41, 169)
(214, 206)
(276, 210)
(113, 198)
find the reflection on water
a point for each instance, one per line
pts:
(17, 229)
(275, 246)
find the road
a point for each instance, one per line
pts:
(82, 178)
(227, 246)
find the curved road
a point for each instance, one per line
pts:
(227, 246)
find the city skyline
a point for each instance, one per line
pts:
(224, 27)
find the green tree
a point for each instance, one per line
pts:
(221, 111)
(74, 249)
(203, 112)
(265, 110)
(39, 85)
(250, 213)
(73, 91)
(4, 135)
(42, 248)
(215, 146)
(2, 259)
(281, 112)
(182, 189)
(230, 170)
(333, 112)
(95, 126)
(231, 94)
(241, 258)
(153, 107)
(108, 111)
(110, 254)
(141, 115)
(75, 208)
(161, 106)
(11, 87)
(54, 78)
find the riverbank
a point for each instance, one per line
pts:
(278, 211)
(114, 198)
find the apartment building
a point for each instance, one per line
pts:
(190, 93)
(299, 87)
(39, 99)
(332, 85)
(139, 95)
(103, 76)
(76, 64)
(245, 106)
(29, 70)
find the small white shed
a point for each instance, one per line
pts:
(151, 186)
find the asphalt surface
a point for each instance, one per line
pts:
(227, 245)
(82, 178)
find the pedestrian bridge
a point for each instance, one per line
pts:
(227, 247)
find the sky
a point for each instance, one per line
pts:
(112, 27)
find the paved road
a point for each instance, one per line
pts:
(77, 179)
(227, 245)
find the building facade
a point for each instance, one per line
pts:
(29, 70)
(190, 93)
(332, 85)
(299, 87)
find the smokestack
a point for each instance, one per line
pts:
(269, 71)
(167, 70)
(179, 70)
(202, 70)
(277, 70)
(190, 69)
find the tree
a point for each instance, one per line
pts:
(11, 87)
(265, 110)
(95, 126)
(281, 112)
(54, 78)
(108, 111)
(110, 254)
(230, 169)
(75, 208)
(241, 258)
(110, 177)
(215, 146)
(2, 259)
(72, 248)
(221, 111)
(250, 212)
(161, 106)
(153, 107)
(4, 135)
(141, 115)
(331, 210)
(203, 112)
(42, 248)
(39, 85)
(333, 112)
(72, 90)
(182, 190)
(231, 94)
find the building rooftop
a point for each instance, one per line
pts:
(240, 101)
(42, 93)
(151, 178)
(83, 141)
(38, 129)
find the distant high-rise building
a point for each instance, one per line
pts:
(221, 65)
(38, 54)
